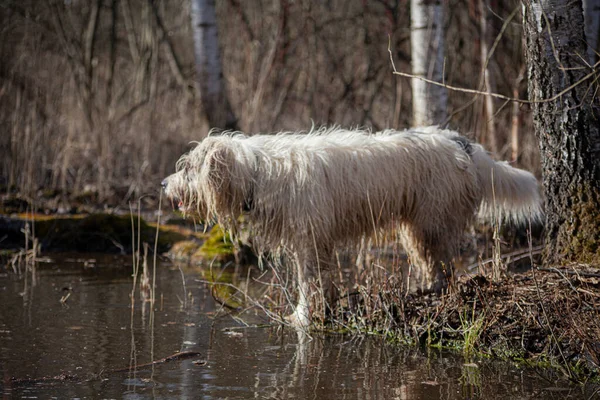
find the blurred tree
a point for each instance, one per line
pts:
(100, 95)
(488, 83)
(427, 60)
(209, 73)
(566, 110)
(591, 10)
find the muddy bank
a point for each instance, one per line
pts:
(543, 317)
(104, 233)
(179, 240)
(87, 227)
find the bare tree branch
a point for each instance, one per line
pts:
(496, 95)
(174, 63)
(129, 27)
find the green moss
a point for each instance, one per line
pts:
(471, 328)
(578, 239)
(218, 246)
(467, 331)
(575, 371)
(222, 288)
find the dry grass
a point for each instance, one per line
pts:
(105, 107)
(540, 317)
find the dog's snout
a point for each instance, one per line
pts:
(164, 183)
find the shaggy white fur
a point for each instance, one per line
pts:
(307, 194)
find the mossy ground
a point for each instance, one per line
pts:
(218, 246)
(215, 247)
(541, 318)
(575, 237)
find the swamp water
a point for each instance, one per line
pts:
(82, 346)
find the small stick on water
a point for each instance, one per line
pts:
(184, 355)
(174, 357)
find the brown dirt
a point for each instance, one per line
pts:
(547, 316)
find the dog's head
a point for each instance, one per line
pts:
(214, 181)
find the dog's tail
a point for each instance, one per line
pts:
(508, 194)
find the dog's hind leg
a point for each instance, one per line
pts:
(429, 259)
(326, 290)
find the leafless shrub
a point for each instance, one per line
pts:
(98, 96)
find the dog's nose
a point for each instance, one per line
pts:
(164, 183)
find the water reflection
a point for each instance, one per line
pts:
(96, 332)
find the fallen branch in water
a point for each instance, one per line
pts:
(63, 377)
(174, 357)
(45, 379)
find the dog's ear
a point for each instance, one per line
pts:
(227, 180)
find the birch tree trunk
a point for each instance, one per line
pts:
(427, 48)
(209, 73)
(567, 128)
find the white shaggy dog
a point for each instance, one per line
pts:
(307, 194)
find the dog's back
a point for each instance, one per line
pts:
(336, 185)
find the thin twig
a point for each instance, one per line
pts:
(568, 272)
(496, 95)
(552, 335)
(515, 256)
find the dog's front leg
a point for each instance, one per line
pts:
(301, 317)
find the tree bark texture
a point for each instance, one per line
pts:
(209, 74)
(567, 128)
(427, 60)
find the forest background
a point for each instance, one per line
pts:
(98, 98)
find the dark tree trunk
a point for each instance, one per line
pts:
(567, 128)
